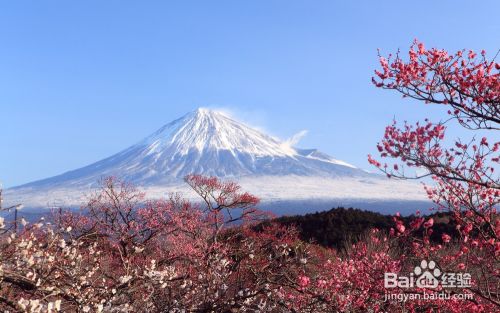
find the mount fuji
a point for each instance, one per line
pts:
(210, 142)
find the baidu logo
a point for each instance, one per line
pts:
(427, 275)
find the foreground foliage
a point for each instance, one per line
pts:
(125, 254)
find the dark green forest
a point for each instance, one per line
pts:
(340, 226)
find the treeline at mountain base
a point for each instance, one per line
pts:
(339, 227)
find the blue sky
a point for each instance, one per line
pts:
(81, 80)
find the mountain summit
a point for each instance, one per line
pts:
(206, 130)
(205, 142)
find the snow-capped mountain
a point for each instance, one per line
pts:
(209, 142)
(205, 142)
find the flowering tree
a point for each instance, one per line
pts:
(224, 203)
(123, 253)
(466, 183)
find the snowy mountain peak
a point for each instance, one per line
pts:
(210, 130)
(205, 142)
